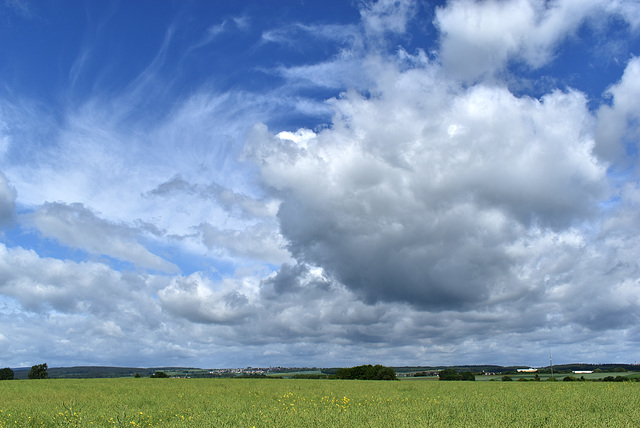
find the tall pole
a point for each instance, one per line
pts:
(551, 363)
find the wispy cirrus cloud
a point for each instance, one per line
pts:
(21, 8)
(214, 31)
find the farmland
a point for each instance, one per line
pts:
(314, 403)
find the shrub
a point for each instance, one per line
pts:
(309, 376)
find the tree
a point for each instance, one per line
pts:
(343, 373)
(159, 375)
(468, 376)
(449, 374)
(39, 372)
(366, 372)
(6, 374)
(452, 374)
(385, 373)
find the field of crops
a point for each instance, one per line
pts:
(315, 403)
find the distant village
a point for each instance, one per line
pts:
(254, 370)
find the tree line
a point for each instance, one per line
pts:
(39, 371)
(366, 372)
(452, 374)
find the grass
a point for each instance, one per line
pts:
(315, 403)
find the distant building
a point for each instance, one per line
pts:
(529, 370)
(582, 371)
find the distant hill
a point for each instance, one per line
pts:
(609, 367)
(90, 372)
(486, 368)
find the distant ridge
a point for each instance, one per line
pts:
(97, 372)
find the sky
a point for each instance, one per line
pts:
(319, 183)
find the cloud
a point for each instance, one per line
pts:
(480, 38)
(343, 71)
(261, 242)
(453, 215)
(386, 16)
(295, 34)
(19, 7)
(415, 195)
(348, 70)
(7, 201)
(5, 138)
(195, 299)
(43, 284)
(240, 204)
(626, 10)
(78, 227)
(301, 314)
(248, 230)
(63, 311)
(215, 31)
(618, 130)
(129, 169)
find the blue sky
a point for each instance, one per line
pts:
(223, 184)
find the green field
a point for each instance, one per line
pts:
(315, 403)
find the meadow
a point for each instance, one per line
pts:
(315, 403)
